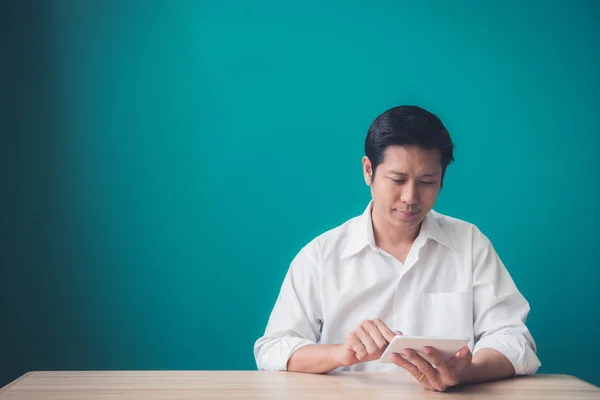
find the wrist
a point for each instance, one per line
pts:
(468, 375)
(334, 355)
(487, 365)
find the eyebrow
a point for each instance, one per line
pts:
(404, 174)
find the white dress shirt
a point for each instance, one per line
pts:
(452, 284)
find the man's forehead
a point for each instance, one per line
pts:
(402, 173)
(411, 151)
(402, 160)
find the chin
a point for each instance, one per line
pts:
(407, 225)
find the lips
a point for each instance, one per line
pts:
(406, 212)
(407, 215)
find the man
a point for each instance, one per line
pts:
(400, 268)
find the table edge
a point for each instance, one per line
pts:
(15, 381)
(584, 381)
(31, 373)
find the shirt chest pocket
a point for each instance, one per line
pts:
(447, 314)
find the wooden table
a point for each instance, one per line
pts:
(175, 385)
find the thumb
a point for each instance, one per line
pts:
(462, 359)
(465, 353)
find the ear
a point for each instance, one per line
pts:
(367, 170)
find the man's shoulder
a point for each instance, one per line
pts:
(331, 242)
(449, 222)
(456, 228)
(338, 233)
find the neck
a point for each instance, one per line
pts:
(387, 235)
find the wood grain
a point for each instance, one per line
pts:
(126, 385)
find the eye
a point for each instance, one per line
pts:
(398, 181)
(427, 183)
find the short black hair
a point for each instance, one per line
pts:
(408, 125)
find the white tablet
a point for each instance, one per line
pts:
(448, 347)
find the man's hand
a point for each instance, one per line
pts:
(365, 343)
(439, 376)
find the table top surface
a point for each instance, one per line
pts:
(92, 385)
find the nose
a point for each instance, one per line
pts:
(409, 194)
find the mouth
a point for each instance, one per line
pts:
(404, 214)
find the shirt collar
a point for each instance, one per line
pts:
(432, 229)
(361, 232)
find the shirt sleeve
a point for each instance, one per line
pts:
(500, 311)
(295, 320)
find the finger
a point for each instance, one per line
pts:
(461, 359)
(437, 360)
(373, 331)
(366, 340)
(358, 347)
(408, 366)
(465, 353)
(386, 332)
(424, 366)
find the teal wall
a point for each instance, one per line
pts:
(162, 163)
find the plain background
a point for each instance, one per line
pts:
(163, 161)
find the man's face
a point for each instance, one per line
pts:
(406, 185)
